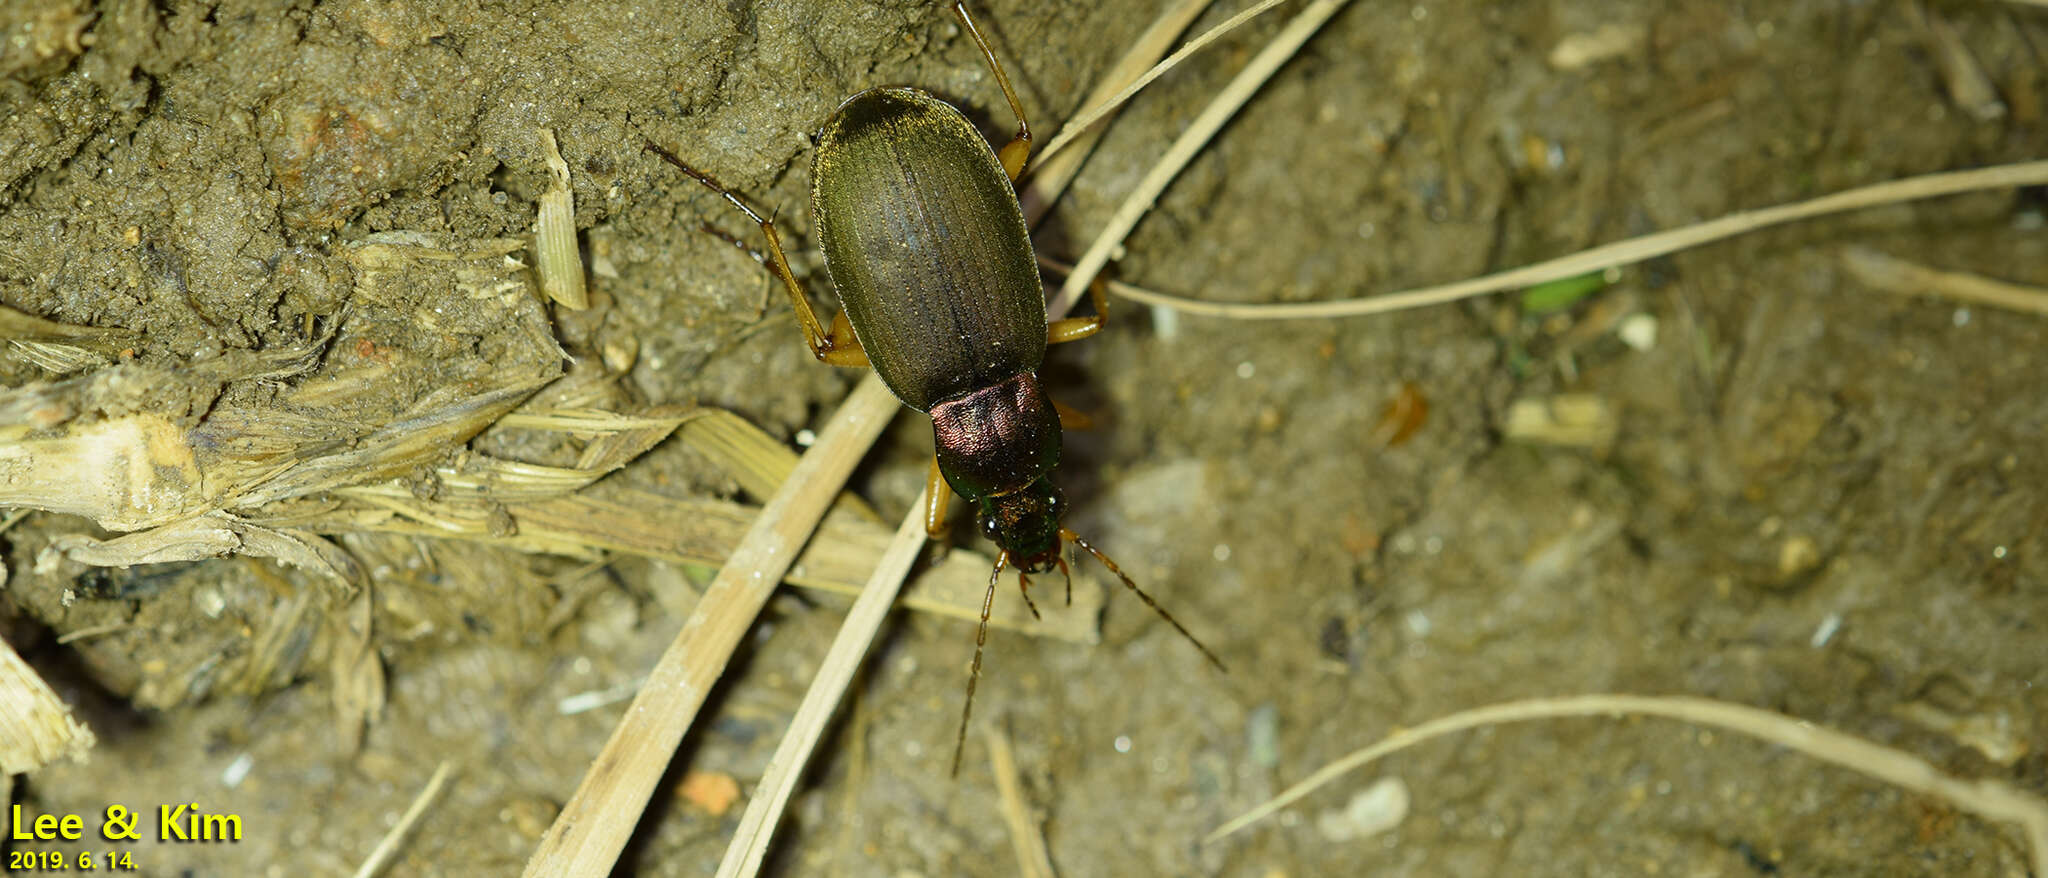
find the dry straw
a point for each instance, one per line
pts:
(1184, 149)
(1991, 799)
(36, 727)
(1619, 253)
(592, 829)
(554, 234)
(388, 847)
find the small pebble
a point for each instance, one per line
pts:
(1638, 331)
(1826, 632)
(711, 792)
(1378, 808)
(1262, 735)
(237, 771)
(1797, 555)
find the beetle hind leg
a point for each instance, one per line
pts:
(841, 347)
(837, 347)
(1018, 150)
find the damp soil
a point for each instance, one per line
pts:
(1819, 498)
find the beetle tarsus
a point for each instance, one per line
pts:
(1024, 588)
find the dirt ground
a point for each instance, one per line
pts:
(1819, 498)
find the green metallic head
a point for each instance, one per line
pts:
(1026, 524)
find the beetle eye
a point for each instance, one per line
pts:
(988, 527)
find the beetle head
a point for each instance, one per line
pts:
(1026, 524)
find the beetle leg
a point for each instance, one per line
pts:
(937, 493)
(1071, 418)
(1024, 588)
(1070, 328)
(1014, 153)
(831, 348)
(841, 347)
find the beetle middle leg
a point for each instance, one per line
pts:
(1014, 153)
(1068, 329)
(837, 347)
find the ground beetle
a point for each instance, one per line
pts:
(928, 249)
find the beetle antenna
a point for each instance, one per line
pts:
(974, 676)
(1068, 534)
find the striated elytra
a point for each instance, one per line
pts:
(926, 246)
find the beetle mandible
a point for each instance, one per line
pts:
(928, 249)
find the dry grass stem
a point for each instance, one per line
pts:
(1619, 253)
(1051, 173)
(1100, 110)
(1225, 105)
(1894, 275)
(838, 558)
(758, 461)
(116, 445)
(554, 234)
(591, 421)
(388, 846)
(1990, 799)
(36, 727)
(61, 348)
(1033, 860)
(96, 631)
(749, 847)
(592, 829)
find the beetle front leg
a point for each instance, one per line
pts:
(937, 495)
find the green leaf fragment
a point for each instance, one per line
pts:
(1557, 295)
